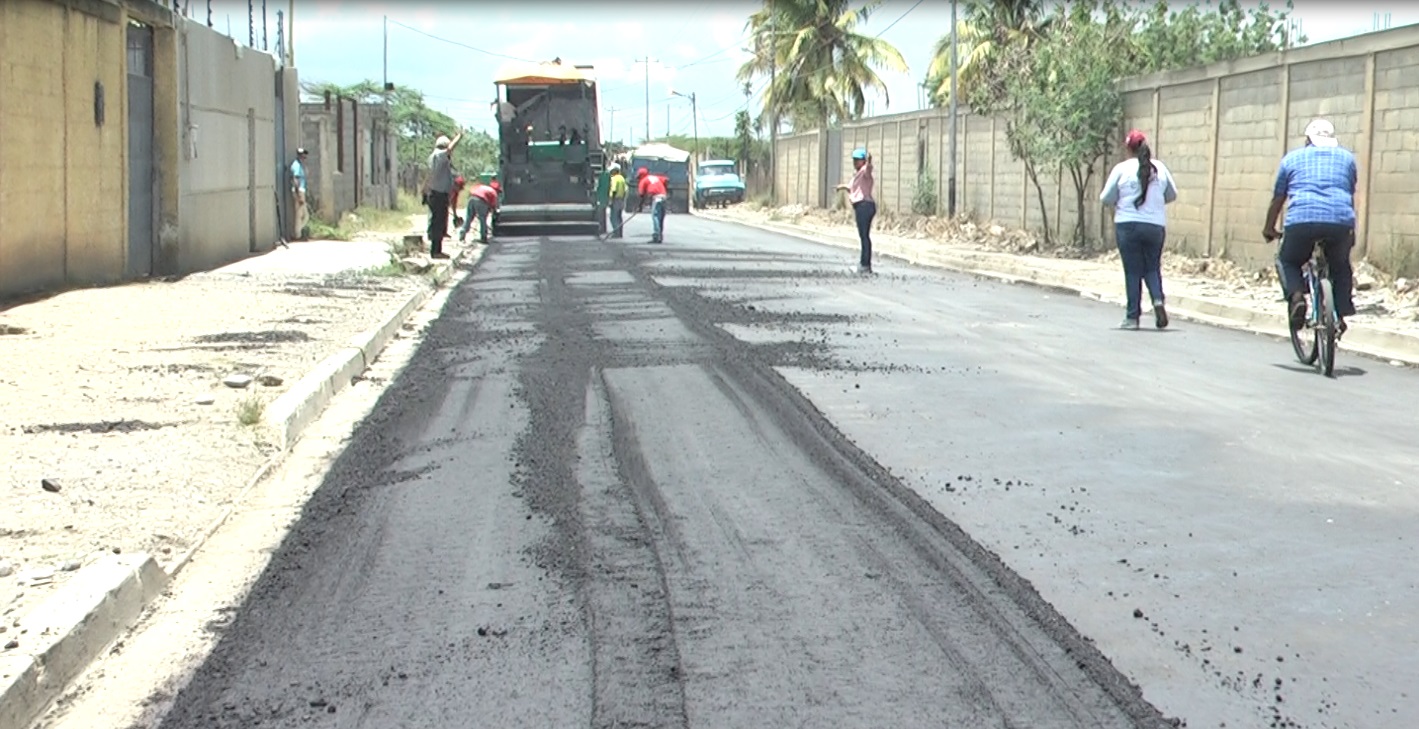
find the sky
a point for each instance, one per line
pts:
(452, 50)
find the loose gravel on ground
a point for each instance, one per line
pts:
(118, 430)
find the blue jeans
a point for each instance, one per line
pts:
(864, 211)
(1140, 246)
(1298, 243)
(476, 207)
(657, 218)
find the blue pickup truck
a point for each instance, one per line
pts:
(717, 183)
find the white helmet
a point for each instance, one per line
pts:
(615, 167)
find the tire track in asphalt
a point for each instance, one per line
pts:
(1039, 639)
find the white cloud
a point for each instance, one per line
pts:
(687, 52)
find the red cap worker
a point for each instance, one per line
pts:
(653, 187)
(482, 200)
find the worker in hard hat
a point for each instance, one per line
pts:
(617, 196)
(652, 187)
(864, 205)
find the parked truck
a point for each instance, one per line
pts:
(672, 164)
(718, 183)
(550, 159)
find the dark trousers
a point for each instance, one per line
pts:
(438, 221)
(1140, 246)
(1299, 241)
(618, 207)
(865, 211)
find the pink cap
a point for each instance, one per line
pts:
(1133, 139)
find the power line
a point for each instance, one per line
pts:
(461, 44)
(899, 18)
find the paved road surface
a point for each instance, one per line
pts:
(693, 485)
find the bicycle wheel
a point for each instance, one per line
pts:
(1303, 341)
(1326, 332)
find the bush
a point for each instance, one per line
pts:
(924, 200)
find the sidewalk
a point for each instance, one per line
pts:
(1211, 291)
(136, 415)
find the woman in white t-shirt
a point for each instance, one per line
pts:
(1138, 188)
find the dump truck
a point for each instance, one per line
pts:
(550, 160)
(669, 162)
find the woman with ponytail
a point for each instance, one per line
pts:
(1138, 188)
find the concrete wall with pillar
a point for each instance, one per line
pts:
(70, 182)
(1222, 130)
(228, 170)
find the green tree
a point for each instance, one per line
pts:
(824, 66)
(417, 126)
(1058, 93)
(984, 33)
(1167, 39)
(1063, 103)
(744, 138)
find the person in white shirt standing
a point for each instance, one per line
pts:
(1138, 188)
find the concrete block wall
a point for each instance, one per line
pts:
(346, 168)
(1222, 129)
(228, 174)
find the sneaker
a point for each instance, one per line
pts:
(1129, 325)
(439, 255)
(1298, 313)
(1160, 315)
(864, 270)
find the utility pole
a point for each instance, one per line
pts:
(695, 121)
(667, 123)
(647, 97)
(695, 124)
(773, 104)
(951, 176)
(291, 35)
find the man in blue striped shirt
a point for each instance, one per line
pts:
(1319, 182)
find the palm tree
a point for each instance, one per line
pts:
(824, 66)
(986, 31)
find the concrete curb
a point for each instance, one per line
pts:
(76, 624)
(295, 409)
(1376, 343)
(70, 629)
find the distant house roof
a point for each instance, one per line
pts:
(661, 151)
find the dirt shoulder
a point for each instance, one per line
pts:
(119, 429)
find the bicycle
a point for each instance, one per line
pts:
(1322, 320)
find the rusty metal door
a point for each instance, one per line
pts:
(142, 164)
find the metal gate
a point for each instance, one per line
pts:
(142, 180)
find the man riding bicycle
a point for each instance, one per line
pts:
(1319, 182)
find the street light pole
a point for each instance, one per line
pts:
(773, 103)
(951, 177)
(695, 119)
